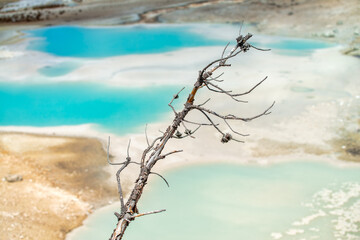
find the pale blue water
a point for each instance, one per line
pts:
(292, 46)
(118, 109)
(240, 202)
(298, 44)
(72, 41)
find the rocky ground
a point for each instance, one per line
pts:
(49, 184)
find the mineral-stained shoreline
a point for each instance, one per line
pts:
(62, 182)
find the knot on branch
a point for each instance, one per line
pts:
(118, 216)
(226, 138)
(128, 217)
(178, 134)
(241, 42)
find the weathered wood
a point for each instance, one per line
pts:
(154, 151)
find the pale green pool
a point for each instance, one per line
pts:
(298, 200)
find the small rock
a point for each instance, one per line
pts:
(13, 178)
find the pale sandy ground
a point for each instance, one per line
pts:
(317, 125)
(62, 182)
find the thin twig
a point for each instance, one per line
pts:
(220, 90)
(211, 121)
(245, 93)
(202, 104)
(233, 117)
(107, 156)
(148, 213)
(222, 55)
(175, 97)
(260, 49)
(241, 134)
(167, 154)
(200, 124)
(161, 177)
(147, 139)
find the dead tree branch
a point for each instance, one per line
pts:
(153, 152)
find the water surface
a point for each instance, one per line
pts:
(291, 46)
(298, 200)
(95, 42)
(119, 109)
(73, 41)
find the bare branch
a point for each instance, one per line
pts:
(123, 209)
(233, 96)
(167, 154)
(147, 139)
(125, 164)
(148, 149)
(233, 117)
(188, 132)
(234, 139)
(200, 124)
(112, 163)
(217, 77)
(221, 60)
(161, 177)
(220, 90)
(260, 49)
(202, 104)
(183, 124)
(222, 55)
(176, 96)
(245, 93)
(212, 123)
(128, 147)
(244, 135)
(225, 92)
(148, 213)
(107, 156)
